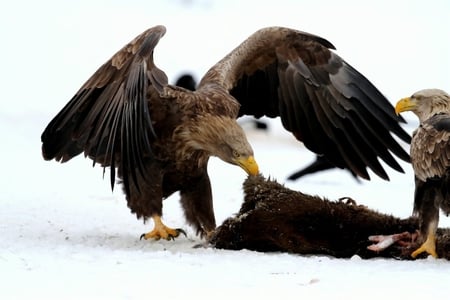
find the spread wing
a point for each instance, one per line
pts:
(430, 148)
(108, 118)
(327, 104)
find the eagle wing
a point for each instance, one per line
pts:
(327, 104)
(108, 118)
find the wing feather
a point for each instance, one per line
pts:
(326, 103)
(108, 118)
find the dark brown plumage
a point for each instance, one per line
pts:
(159, 137)
(275, 218)
(430, 158)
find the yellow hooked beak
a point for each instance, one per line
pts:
(249, 165)
(405, 104)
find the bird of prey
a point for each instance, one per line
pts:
(430, 158)
(157, 138)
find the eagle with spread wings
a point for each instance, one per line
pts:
(157, 138)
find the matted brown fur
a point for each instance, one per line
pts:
(275, 218)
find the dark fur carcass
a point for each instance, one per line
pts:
(275, 218)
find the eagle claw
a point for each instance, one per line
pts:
(167, 235)
(161, 231)
(179, 230)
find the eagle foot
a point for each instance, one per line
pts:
(429, 246)
(161, 231)
(168, 234)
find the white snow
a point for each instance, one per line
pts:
(64, 235)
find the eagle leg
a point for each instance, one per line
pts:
(162, 231)
(429, 246)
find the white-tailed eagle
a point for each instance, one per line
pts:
(159, 137)
(430, 158)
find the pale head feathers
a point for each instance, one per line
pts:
(429, 102)
(219, 136)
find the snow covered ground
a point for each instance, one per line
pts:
(64, 235)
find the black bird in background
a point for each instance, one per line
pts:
(186, 81)
(318, 165)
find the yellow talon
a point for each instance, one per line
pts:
(429, 246)
(161, 231)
